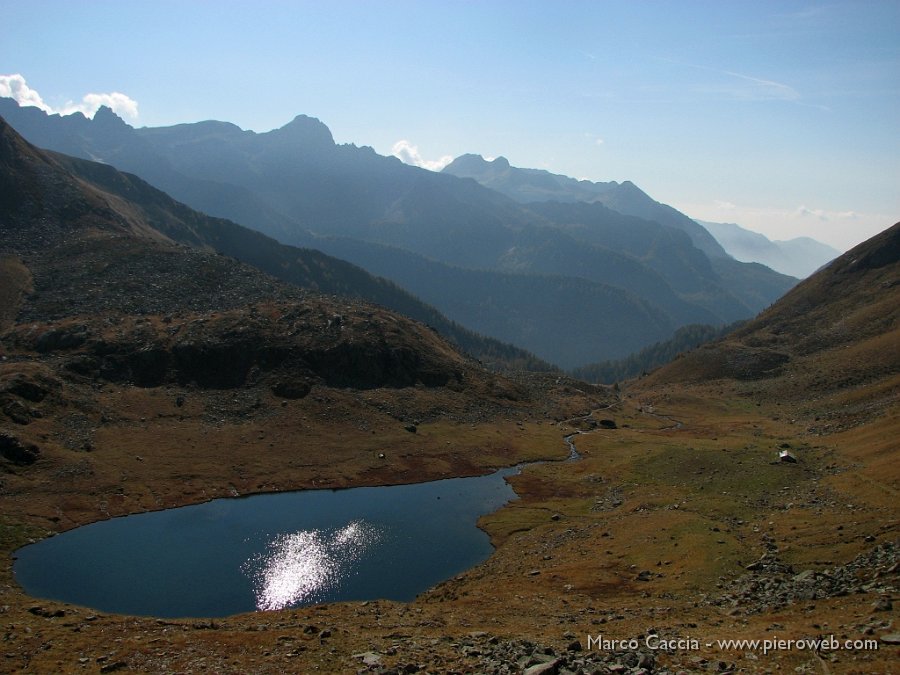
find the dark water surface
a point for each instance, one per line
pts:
(270, 551)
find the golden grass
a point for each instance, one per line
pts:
(684, 489)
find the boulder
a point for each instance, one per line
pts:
(17, 452)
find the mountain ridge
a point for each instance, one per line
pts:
(677, 513)
(798, 257)
(306, 187)
(538, 185)
(179, 224)
(833, 334)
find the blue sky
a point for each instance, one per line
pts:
(780, 116)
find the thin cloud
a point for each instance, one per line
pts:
(804, 211)
(823, 214)
(15, 87)
(766, 89)
(408, 153)
(740, 86)
(748, 88)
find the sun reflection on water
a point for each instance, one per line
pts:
(300, 566)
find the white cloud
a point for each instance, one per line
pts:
(822, 214)
(804, 211)
(15, 87)
(409, 154)
(120, 104)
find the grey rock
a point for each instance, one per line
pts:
(883, 604)
(369, 658)
(548, 668)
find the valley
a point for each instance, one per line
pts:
(142, 369)
(439, 235)
(658, 527)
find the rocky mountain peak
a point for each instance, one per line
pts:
(106, 118)
(305, 130)
(466, 163)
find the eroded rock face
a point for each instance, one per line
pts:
(17, 452)
(293, 346)
(292, 389)
(367, 366)
(20, 392)
(27, 388)
(17, 412)
(68, 337)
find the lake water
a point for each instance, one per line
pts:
(270, 551)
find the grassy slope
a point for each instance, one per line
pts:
(652, 495)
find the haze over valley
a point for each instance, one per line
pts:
(436, 337)
(444, 239)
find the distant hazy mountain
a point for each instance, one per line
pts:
(537, 185)
(595, 212)
(562, 318)
(798, 257)
(162, 217)
(110, 285)
(296, 185)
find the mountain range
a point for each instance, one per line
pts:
(527, 186)
(144, 367)
(162, 218)
(798, 257)
(611, 276)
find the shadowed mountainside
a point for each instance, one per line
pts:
(297, 185)
(108, 301)
(302, 267)
(92, 256)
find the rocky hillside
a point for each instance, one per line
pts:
(835, 333)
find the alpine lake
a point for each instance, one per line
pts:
(270, 551)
